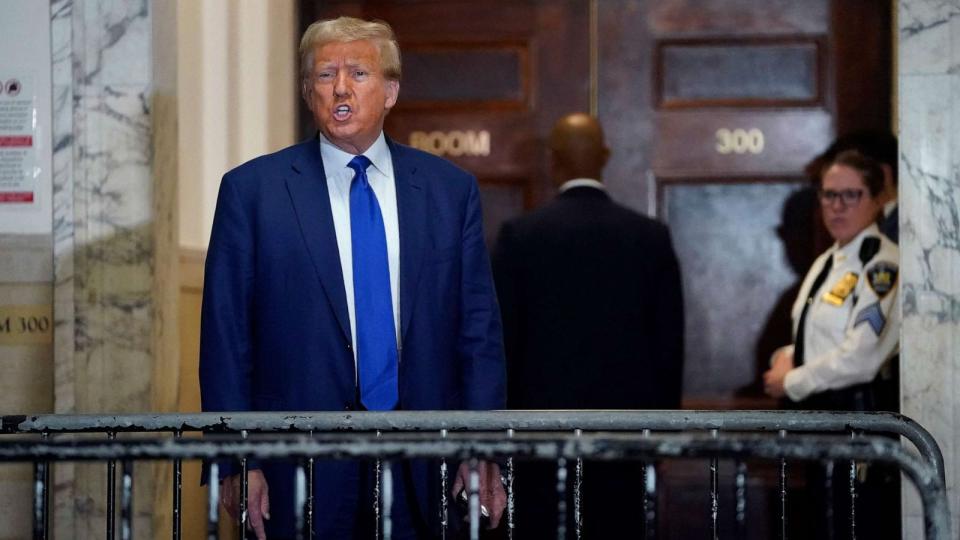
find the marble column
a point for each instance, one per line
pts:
(929, 129)
(108, 229)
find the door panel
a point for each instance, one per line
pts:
(749, 72)
(498, 76)
(726, 309)
(747, 142)
(721, 17)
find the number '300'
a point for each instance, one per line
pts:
(739, 141)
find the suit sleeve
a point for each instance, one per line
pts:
(481, 334)
(507, 279)
(226, 360)
(670, 322)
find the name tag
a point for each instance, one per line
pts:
(841, 290)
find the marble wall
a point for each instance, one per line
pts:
(106, 225)
(929, 117)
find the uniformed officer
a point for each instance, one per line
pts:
(846, 328)
(846, 321)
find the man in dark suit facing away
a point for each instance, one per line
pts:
(590, 295)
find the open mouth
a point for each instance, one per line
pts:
(342, 112)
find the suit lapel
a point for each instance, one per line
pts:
(412, 216)
(307, 186)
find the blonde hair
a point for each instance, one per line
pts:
(345, 29)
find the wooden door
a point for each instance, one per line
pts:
(712, 108)
(482, 84)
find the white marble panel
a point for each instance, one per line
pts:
(61, 36)
(930, 186)
(63, 232)
(103, 230)
(115, 46)
(954, 31)
(63, 249)
(113, 197)
(113, 157)
(925, 36)
(948, 279)
(63, 203)
(930, 253)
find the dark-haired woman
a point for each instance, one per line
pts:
(846, 327)
(846, 321)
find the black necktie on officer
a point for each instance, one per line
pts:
(811, 298)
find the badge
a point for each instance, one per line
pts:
(881, 277)
(841, 290)
(873, 316)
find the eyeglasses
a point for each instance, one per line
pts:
(849, 197)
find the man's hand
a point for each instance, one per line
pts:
(492, 495)
(258, 502)
(773, 378)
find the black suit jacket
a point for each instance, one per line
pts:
(593, 319)
(890, 224)
(592, 307)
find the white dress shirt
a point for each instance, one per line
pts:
(380, 176)
(582, 182)
(889, 207)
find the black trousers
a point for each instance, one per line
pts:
(358, 509)
(876, 506)
(406, 520)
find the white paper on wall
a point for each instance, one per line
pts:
(26, 145)
(19, 172)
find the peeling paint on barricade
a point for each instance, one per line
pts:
(12, 422)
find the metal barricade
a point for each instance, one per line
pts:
(567, 437)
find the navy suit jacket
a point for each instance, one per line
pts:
(275, 333)
(890, 224)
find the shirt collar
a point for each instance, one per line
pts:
(852, 249)
(336, 160)
(582, 182)
(889, 207)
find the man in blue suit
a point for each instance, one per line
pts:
(349, 272)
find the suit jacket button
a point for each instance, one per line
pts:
(348, 407)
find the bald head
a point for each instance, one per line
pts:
(578, 150)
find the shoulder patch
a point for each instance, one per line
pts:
(882, 277)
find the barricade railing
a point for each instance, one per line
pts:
(648, 436)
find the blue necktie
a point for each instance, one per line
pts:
(373, 306)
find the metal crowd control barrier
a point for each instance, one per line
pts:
(562, 436)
